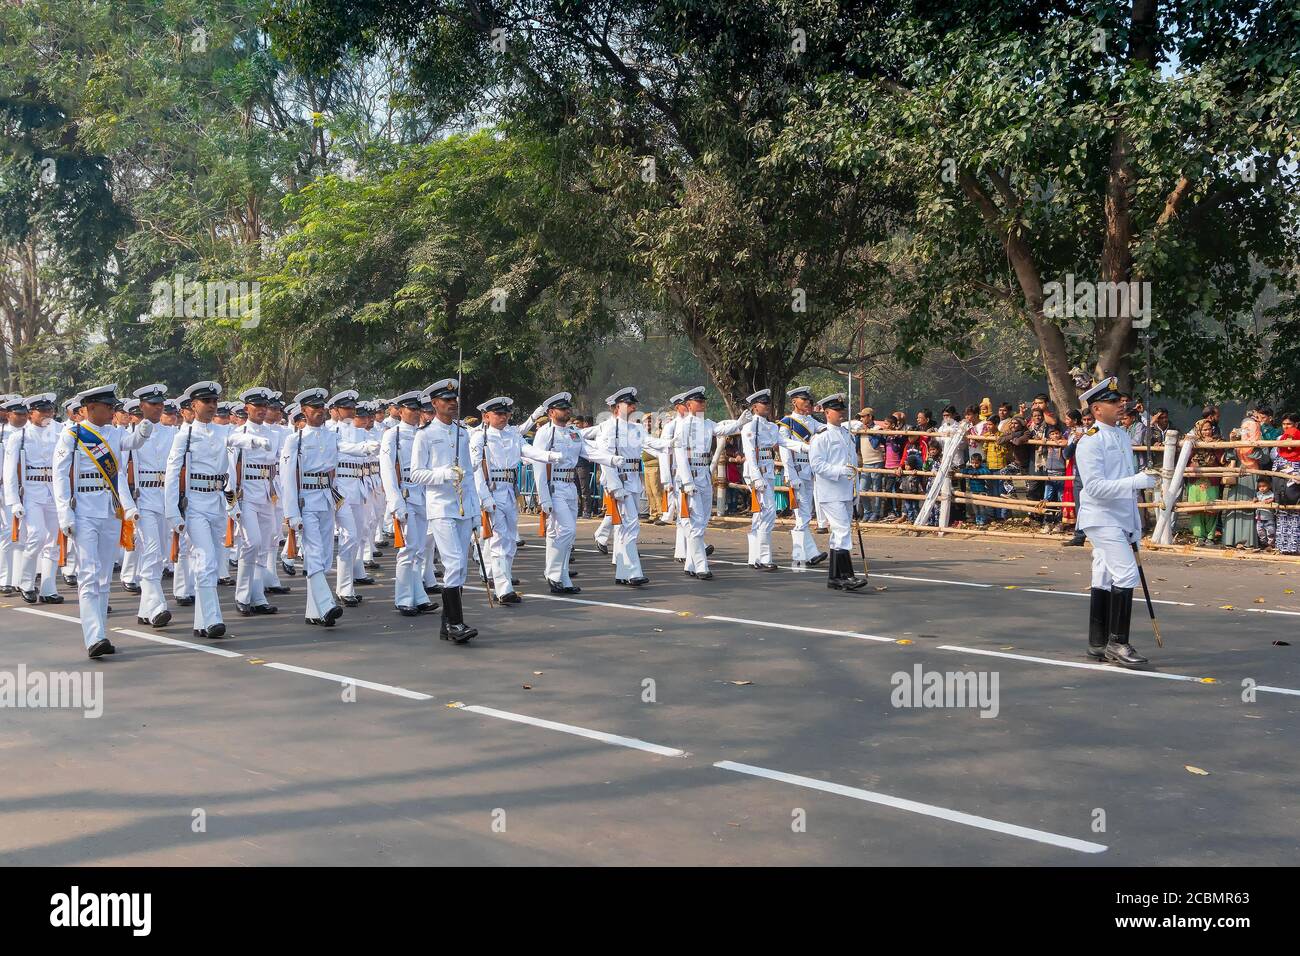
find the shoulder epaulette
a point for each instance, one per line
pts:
(1091, 431)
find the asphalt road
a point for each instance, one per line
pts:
(742, 721)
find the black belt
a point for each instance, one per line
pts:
(88, 489)
(502, 474)
(148, 484)
(562, 474)
(207, 477)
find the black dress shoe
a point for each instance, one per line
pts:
(433, 589)
(853, 584)
(53, 599)
(637, 582)
(370, 565)
(556, 588)
(216, 631)
(226, 582)
(602, 548)
(161, 619)
(377, 553)
(111, 648)
(574, 574)
(704, 576)
(29, 597)
(265, 609)
(99, 648)
(186, 601)
(819, 559)
(573, 589)
(287, 568)
(1123, 654)
(365, 580)
(70, 580)
(622, 581)
(277, 590)
(680, 560)
(131, 588)
(168, 573)
(407, 611)
(353, 601)
(1097, 653)
(458, 633)
(511, 598)
(332, 615)
(708, 550)
(690, 574)
(141, 620)
(7, 589)
(244, 609)
(428, 607)
(1076, 541)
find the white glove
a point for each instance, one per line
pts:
(1134, 537)
(398, 515)
(295, 523)
(545, 506)
(232, 511)
(689, 490)
(69, 530)
(538, 412)
(18, 510)
(260, 443)
(759, 485)
(746, 417)
(372, 448)
(794, 483)
(554, 456)
(177, 525)
(617, 461)
(1143, 481)
(145, 428)
(131, 513)
(488, 504)
(850, 471)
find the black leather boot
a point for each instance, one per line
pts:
(1098, 623)
(1121, 613)
(850, 579)
(453, 620)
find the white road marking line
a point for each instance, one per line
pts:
(796, 627)
(600, 735)
(964, 584)
(1264, 610)
(573, 600)
(1107, 668)
(57, 617)
(1279, 690)
(160, 639)
(341, 679)
(912, 806)
(1088, 594)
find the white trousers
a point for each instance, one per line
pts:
(561, 529)
(453, 538)
(39, 536)
(1113, 561)
(351, 522)
(408, 583)
(627, 557)
(9, 549)
(255, 539)
(504, 543)
(840, 516)
(130, 567)
(761, 525)
(802, 541)
(96, 542)
(316, 549)
(206, 558)
(696, 523)
(151, 538)
(604, 531)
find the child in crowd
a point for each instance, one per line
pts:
(978, 486)
(1265, 517)
(1053, 466)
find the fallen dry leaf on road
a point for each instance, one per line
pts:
(1259, 600)
(526, 686)
(537, 673)
(1196, 770)
(1226, 607)
(742, 683)
(1281, 643)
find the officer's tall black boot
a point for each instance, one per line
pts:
(453, 619)
(1098, 623)
(1121, 612)
(851, 581)
(835, 571)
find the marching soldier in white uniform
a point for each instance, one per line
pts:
(199, 499)
(146, 466)
(277, 429)
(310, 461)
(692, 439)
(128, 418)
(68, 553)
(833, 457)
(252, 473)
(348, 481)
(441, 461)
(95, 510)
(1108, 515)
(798, 475)
(405, 507)
(13, 416)
(29, 493)
(183, 573)
(760, 439)
(624, 438)
(496, 448)
(557, 495)
(372, 497)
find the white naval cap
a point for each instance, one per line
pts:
(13, 403)
(292, 411)
(627, 394)
(344, 399)
(412, 399)
(258, 395)
(72, 405)
(804, 390)
(695, 391)
(762, 395)
(170, 405)
(131, 406)
(4, 399)
(838, 401)
(558, 400)
(443, 388)
(1107, 390)
(201, 391)
(151, 393)
(499, 404)
(311, 398)
(43, 401)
